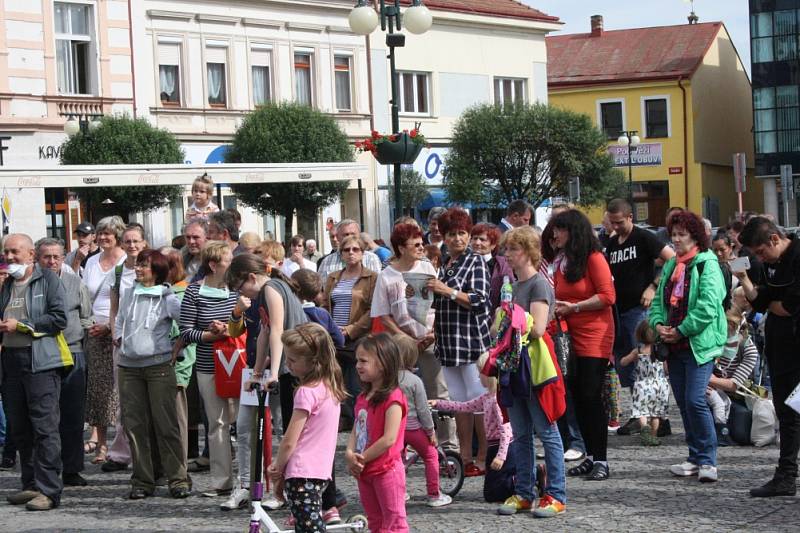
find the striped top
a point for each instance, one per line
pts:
(342, 299)
(197, 312)
(740, 368)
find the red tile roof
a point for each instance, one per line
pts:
(616, 56)
(498, 8)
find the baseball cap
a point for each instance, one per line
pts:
(85, 228)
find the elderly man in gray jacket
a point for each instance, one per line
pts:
(78, 306)
(34, 358)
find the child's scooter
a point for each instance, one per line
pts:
(260, 522)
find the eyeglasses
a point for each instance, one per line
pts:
(130, 243)
(351, 250)
(415, 244)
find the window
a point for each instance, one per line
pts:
(774, 35)
(216, 60)
(509, 91)
(75, 50)
(303, 79)
(413, 92)
(169, 73)
(777, 119)
(260, 59)
(611, 119)
(343, 80)
(656, 114)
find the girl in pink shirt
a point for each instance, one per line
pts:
(305, 457)
(376, 443)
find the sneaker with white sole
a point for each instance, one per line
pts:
(573, 455)
(238, 499)
(685, 469)
(707, 474)
(439, 501)
(272, 503)
(331, 516)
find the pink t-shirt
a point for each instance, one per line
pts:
(370, 424)
(313, 456)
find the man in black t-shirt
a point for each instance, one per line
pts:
(633, 254)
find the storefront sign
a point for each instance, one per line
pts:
(676, 170)
(643, 155)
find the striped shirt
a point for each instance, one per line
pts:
(342, 299)
(740, 368)
(197, 312)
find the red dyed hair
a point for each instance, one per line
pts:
(692, 223)
(455, 219)
(401, 234)
(491, 231)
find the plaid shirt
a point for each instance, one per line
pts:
(333, 263)
(463, 334)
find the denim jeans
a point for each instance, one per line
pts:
(527, 418)
(625, 341)
(689, 381)
(568, 427)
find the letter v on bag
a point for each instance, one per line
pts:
(229, 364)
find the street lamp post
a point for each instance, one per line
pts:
(76, 123)
(631, 140)
(417, 19)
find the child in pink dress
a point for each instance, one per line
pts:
(376, 443)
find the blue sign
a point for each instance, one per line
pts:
(437, 162)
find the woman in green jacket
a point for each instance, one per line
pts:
(688, 316)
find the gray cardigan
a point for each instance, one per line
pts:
(78, 306)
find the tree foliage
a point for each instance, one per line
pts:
(289, 133)
(121, 140)
(412, 188)
(501, 153)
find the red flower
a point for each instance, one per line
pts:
(393, 138)
(413, 134)
(375, 134)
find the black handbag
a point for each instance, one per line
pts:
(660, 351)
(562, 342)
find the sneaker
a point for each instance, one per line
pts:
(613, 426)
(217, 493)
(631, 427)
(573, 455)
(685, 469)
(331, 516)
(8, 463)
(74, 480)
(22, 497)
(548, 507)
(238, 499)
(648, 438)
(272, 503)
(664, 428)
(513, 505)
(407, 497)
(780, 485)
(707, 474)
(40, 503)
(473, 470)
(113, 466)
(439, 501)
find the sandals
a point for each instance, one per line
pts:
(89, 446)
(473, 470)
(599, 473)
(582, 469)
(101, 454)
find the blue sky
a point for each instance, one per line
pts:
(642, 13)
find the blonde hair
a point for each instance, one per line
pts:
(491, 381)
(528, 239)
(203, 182)
(734, 317)
(250, 239)
(312, 342)
(355, 239)
(408, 348)
(212, 251)
(273, 250)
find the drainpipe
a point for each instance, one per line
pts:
(685, 147)
(133, 69)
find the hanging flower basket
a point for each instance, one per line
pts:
(402, 148)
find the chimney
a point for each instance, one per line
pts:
(597, 25)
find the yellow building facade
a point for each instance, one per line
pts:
(685, 93)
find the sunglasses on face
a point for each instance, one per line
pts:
(351, 250)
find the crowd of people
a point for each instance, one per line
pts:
(117, 333)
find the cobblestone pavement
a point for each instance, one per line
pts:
(640, 496)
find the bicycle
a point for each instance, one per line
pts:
(260, 522)
(451, 467)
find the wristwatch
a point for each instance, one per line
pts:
(577, 308)
(454, 295)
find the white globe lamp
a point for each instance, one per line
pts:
(363, 19)
(418, 18)
(72, 126)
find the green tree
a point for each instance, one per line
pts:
(412, 187)
(121, 140)
(501, 153)
(289, 133)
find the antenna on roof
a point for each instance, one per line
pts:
(693, 18)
